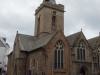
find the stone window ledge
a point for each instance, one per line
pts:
(60, 70)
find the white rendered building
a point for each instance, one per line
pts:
(4, 48)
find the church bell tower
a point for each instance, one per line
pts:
(49, 17)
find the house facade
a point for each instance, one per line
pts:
(4, 48)
(49, 51)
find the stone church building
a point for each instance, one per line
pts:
(49, 51)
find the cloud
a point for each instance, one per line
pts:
(82, 14)
(18, 15)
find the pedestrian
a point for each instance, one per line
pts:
(43, 73)
(36, 73)
(4, 72)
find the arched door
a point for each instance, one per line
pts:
(83, 71)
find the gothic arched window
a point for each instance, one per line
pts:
(53, 23)
(38, 26)
(98, 49)
(58, 59)
(81, 51)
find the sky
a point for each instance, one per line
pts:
(18, 15)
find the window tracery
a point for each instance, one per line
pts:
(81, 51)
(59, 55)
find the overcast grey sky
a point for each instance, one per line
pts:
(18, 15)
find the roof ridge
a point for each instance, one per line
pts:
(93, 38)
(25, 34)
(74, 33)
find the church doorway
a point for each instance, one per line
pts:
(83, 71)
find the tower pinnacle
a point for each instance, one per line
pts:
(52, 1)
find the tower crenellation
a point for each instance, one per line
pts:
(52, 1)
(59, 7)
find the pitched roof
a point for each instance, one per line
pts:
(73, 38)
(29, 43)
(93, 41)
(1, 44)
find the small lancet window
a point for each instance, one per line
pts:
(58, 59)
(81, 51)
(38, 26)
(54, 23)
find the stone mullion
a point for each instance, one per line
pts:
(57, 58)
(60, 58)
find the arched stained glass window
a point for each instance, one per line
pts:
(58, 59)
(81, 51)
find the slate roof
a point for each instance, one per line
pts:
(29, 43)
(73, 38)
(1, 44)
(93, 41)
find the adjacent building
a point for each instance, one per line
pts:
(49, 51)
(4, 48)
